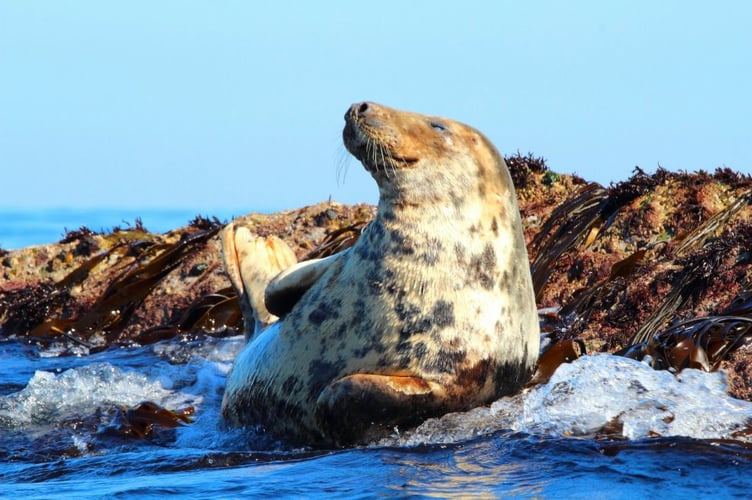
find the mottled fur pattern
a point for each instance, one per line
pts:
(432, 310)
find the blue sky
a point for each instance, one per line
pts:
(238, 105)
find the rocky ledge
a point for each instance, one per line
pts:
(657, 267)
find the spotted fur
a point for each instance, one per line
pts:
(432, 310)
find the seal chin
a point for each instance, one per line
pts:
(354, 139)
(370, 153)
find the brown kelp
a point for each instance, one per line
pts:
(214, 314)
(109, 314)
(681, 246)
(568, 226)
(134, 262)
(141, 421)
(699, 254)
(701, 343)
(337, 241)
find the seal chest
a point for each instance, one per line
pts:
(432, 310)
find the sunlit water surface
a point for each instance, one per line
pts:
(540, 443)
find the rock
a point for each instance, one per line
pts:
(620, 264)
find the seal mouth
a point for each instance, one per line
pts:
(366, 138)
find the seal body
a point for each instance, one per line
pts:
(432, 310)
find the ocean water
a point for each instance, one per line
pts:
(602, 427)
(541, 443)
(24, 227)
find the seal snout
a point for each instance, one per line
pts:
(366, 113)
(360, 110)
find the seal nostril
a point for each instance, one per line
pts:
(363, 107)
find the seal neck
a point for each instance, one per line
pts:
(426, 187)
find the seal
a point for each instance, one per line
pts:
(430, 311)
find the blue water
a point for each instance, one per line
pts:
(44, 399)
(542, 443)
(22, 227)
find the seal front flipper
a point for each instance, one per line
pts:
(362, 407)
(251, 262)
(286, 289)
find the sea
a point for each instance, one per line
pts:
(603, 426)
(22, 227)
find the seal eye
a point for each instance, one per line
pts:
(438, 126)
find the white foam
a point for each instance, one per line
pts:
(579, 400)
(182, 374)
(209, 381)
(583, 396)
(48, 397)
(222, 351)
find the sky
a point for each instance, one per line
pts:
(238, 105)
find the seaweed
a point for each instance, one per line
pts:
(47, 312)
(27, 307)
(575, 219)
(600, 296)
(78, 234)
(639, 184)
(698, 267)
(138, 226)
(205, 223)
(337, 241)
(110, 313)
(741, 305)
(642, 256)
(732, 178)
(564, 351)
(700, 234)
(521, 166)
(140, 421)
(213, 314)
(701, 343)
(78, 275)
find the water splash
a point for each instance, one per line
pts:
(602, 394)
(49, 398)
(69, 456)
